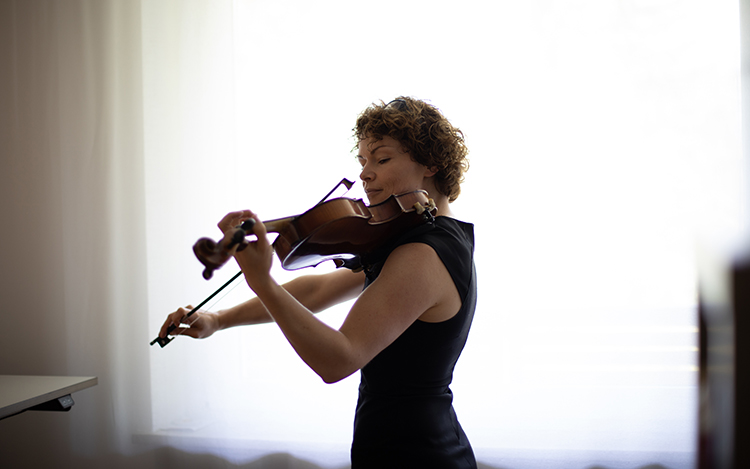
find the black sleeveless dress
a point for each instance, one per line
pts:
(405, 416)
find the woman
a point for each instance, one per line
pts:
(409, 323)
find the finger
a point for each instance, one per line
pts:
(185, 319)
(190, 332)
(232, 219)
(259, 229)
(173, 319)
(192, 326)
(170, 321)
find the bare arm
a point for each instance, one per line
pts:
(315, 292)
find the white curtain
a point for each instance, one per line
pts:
(73, 201)
(129, 128)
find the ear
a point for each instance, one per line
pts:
(429, 172)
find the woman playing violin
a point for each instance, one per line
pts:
(414, 305)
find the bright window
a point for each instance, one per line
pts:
(589, 125)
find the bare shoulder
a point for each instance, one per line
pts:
(417, 276)
(418, 261)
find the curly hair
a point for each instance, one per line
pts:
(428, 137)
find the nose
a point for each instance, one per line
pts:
(366, 174)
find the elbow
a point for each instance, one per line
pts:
(335, 374)
(333, 367)
(331, 379)
(333, 361)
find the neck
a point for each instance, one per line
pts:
(441, 201)
(443, 206)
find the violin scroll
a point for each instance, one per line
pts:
(213, 255)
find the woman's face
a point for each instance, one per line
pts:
(388, 170)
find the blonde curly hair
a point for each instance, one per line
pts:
(428, 137)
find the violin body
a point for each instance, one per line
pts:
(339, 229)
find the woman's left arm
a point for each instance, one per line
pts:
(413, 282)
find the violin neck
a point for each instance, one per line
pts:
(277, 225)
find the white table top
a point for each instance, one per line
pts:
(20, 392)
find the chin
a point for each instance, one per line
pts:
(375, 198)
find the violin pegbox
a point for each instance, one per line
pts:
(429, 208)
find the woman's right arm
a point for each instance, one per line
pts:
(316, 292)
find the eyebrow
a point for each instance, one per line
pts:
(381, 146)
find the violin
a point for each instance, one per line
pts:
(340, 229)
